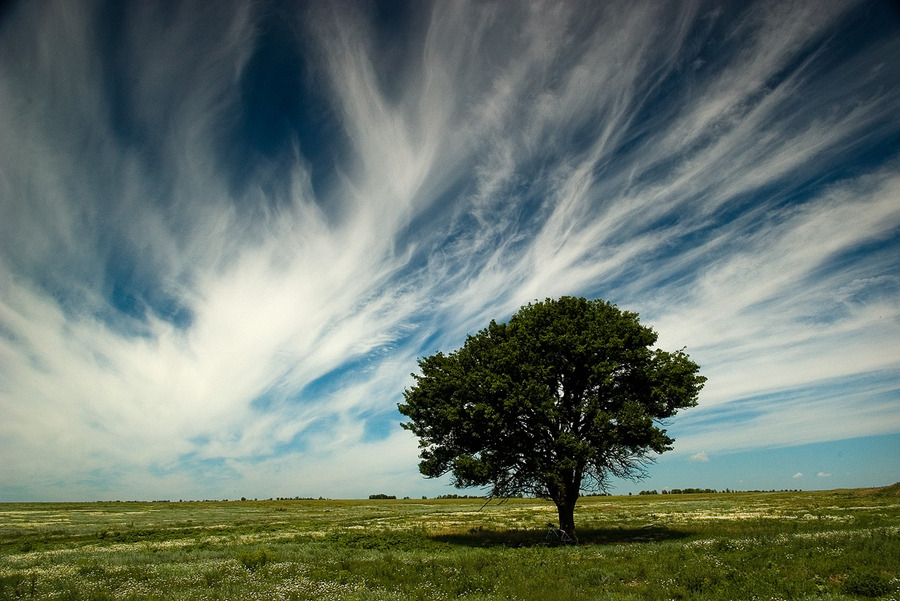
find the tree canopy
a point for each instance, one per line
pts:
(566, 394)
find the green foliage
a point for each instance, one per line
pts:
(889, 491)
(380, 540)
(564, 395)
(866, 583)
(17, 586)
(253, 560)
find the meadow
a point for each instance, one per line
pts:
(824, 545)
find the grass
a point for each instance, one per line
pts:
(802, 545)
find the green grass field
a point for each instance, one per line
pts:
(795, 545)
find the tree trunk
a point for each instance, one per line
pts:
(567, 519)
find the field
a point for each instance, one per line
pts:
(789, 545)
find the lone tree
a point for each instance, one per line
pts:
(566, 394)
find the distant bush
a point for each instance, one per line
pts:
(254, 560)
(382, 496)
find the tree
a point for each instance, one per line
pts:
(554, 402)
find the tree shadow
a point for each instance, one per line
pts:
(483, 537)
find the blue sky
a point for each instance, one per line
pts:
(228, 230)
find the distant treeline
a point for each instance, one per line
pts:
(665, 491)
(453, 496)
(695, 491)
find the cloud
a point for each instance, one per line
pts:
(823, 475)
(782, 417)
(798, 475)
(701, 457)
(202, 272)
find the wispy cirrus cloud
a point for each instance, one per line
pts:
(226, 233)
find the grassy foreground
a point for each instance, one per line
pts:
(798, 545)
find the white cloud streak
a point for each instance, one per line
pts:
(514, 152)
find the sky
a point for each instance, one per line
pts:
(228, 230)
